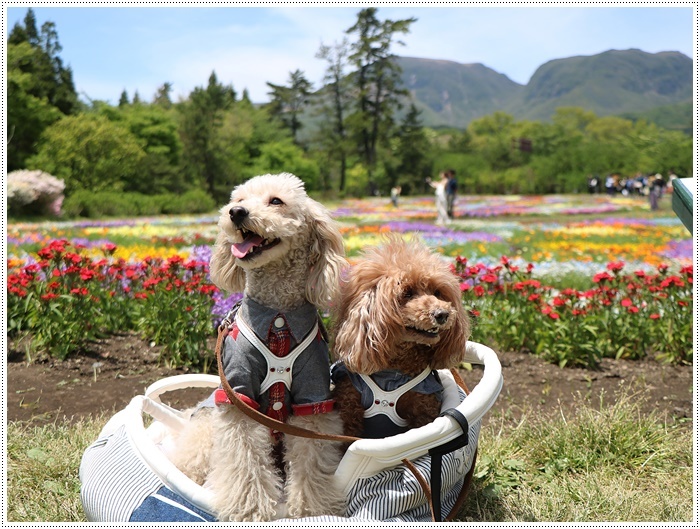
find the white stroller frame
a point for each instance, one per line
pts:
(364, 458)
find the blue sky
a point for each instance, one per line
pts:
(111, 49)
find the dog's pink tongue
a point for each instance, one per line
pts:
(240, 249)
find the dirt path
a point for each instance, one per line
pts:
(117, 369)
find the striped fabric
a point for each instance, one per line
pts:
(394, 495)
(114, 481)
(117, 485)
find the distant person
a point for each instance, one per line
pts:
(610, 184)
(440, 187)
(451, 192)
(671, 177)
(395, 194)
(656, 190)
(593, 184)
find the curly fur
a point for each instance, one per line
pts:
(297, 255)
(401, 308)
(305, 264)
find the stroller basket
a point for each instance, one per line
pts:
(126, 474)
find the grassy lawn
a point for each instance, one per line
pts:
(603, 463)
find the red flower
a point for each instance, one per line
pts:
(672, 280)
(45, 253)
(17, 292)
(73, 258)
(489, 278)
(479, 290)
(602, 277)
(464, 286)
(49, 296)
(655, 316)
(627, 302)
(615, 267)
(86, 274)
(209, 289)
(475, 313)
(109, 248)
(633, 309)
(58, 245)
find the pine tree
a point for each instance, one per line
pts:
(377, 81)
(334, 104)
(288, 101)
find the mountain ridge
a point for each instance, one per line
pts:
(614, 82)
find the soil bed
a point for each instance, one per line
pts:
(112, 371)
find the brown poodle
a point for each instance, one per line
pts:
(399, 317)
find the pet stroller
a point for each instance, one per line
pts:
(417, 476)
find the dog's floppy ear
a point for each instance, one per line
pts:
(449, 352)
(365, 336)
(223, 270)
(327, 256)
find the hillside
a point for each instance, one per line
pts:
(449, 93)
(628, 82)
(613, 82)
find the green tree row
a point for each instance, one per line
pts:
(357, 134)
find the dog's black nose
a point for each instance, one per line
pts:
(237, 214)
(441, 316)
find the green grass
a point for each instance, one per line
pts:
(606, 464)
(609, 462)
(42, 470)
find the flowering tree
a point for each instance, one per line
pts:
(34, 192)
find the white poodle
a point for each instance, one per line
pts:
(283, 250)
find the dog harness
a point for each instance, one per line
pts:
(279, 369)
(267, 370)
(384, 402)
(380, 392)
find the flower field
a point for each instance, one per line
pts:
(595, 275)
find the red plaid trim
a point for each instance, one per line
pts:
(279, 341)
(220, 398)
(313, 408)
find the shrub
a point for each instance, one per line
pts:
(34, 193)
(626, 315)
(65, 299)
(194, 201)
(118, 204)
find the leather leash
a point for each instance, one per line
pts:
(290, 429)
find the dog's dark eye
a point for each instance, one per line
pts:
(407, 293)
(437, 294)
(274, 201)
